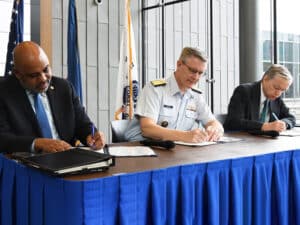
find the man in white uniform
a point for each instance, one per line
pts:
(168, 109)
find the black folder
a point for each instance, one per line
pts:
(73, 161)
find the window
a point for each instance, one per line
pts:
(5, 12)
(280, 43)
(168, 26)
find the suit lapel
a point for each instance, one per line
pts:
(23, 103)
(255, 100)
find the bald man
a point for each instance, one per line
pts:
(20, 129)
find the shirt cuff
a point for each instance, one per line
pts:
(32, 147)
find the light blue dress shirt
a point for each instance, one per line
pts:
(47, 108)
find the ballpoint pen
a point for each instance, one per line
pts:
(274, 115)
(93, 134)
(93, 131)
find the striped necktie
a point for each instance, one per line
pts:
(264, 112)
(42, 116)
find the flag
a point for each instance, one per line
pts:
(128, 86)
(74, 70)
(15, 34)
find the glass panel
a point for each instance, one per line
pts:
(152, 44)
(288, 37)
(183, 25)
(265, 26)
(149, 3)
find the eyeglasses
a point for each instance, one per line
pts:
(194, 71)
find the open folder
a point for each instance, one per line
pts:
(73, 161)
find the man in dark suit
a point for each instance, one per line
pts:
(20, 128)
(259, 106)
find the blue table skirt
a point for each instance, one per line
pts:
(246, 191)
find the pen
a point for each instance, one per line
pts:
(274, 115)
(93, 134)
(93, 130)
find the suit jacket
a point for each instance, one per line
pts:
(18, 123)
(243, 109)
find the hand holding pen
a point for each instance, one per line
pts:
(96, 139)
(277, 125)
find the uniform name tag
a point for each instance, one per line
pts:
(168, 106)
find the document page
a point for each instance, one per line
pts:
(205, 143)
(225, 139)
(292, 133)
(129, 151)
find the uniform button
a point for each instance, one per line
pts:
(164, 123)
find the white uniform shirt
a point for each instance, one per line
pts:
(167, 105)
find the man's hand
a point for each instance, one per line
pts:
(277, 125)
(214, 133)
(50, 145)
(195, 136)
(97, 141)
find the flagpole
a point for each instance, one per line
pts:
(130, 59)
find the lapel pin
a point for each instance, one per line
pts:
(51, 87)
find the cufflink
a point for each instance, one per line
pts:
(164, 123)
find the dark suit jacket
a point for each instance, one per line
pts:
(243, 109)
(18, 123)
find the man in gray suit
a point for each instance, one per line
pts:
(259, 106)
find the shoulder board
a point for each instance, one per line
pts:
(197, 90)
(157, 83)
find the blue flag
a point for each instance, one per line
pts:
(15, 34)
(74, 70)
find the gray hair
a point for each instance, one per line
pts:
(190, 51)
(278, 70)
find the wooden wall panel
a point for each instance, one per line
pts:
(103, 83)
(114, 34)
(170, 43)
(92, 93)
(57, 62)
(225, 42)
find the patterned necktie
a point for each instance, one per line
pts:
(264, 112)
(42, 116)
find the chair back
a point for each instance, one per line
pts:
(221, 117)
(118, 128)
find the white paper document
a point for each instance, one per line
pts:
(225, 139)
(204, 143)
(292, 133)
(129, 151)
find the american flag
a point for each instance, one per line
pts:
(15, 34)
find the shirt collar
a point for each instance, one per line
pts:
(173, 87)
(262, 95)
(28, 92)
